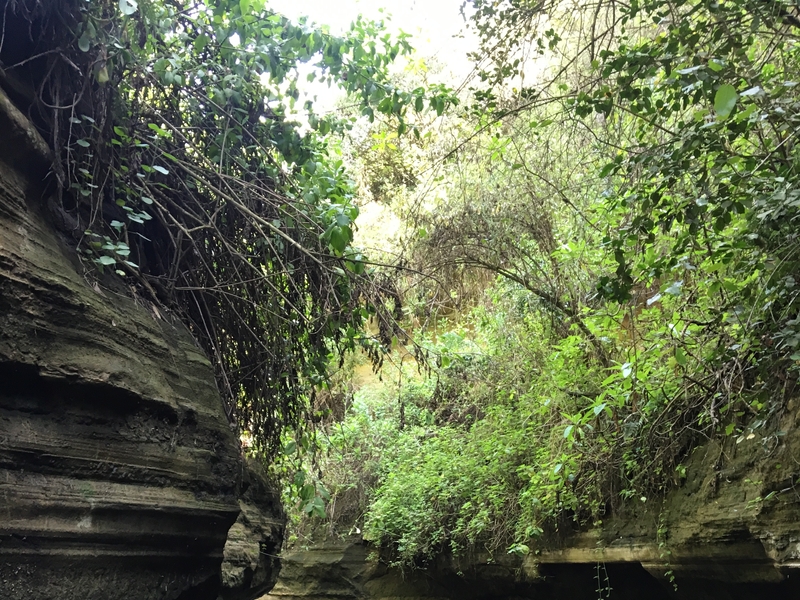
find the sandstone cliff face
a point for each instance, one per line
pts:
(119, 474)
(251, 563)
(349, 570)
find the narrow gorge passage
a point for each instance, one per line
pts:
(481, 299)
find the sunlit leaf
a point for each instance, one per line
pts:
(725, 100)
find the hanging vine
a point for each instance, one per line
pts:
(178, 171)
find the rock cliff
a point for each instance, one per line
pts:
(120, 476)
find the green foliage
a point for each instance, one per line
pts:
(611, 235)
(345, 458)
(634, 205)
(177, 160)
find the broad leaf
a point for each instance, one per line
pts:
(725, 100)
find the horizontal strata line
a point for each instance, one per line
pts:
(64, 535)
(683, 554)
(68, 519)
(52, 490)
(83, 505)
(266, 521)
(108, 552)
(188, 458)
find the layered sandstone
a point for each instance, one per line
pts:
(120, 476)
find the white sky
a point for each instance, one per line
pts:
(432, 23)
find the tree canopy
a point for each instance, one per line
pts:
(607, 257)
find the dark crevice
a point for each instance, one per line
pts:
(24, 388)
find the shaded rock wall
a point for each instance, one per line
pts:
(341, 570)
(251, 564)
(345, 570)
(734, 522)
(119, 474)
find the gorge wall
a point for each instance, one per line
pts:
(349, 570)
(120, 476)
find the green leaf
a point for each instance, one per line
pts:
(83, 143)
(318, 507)
(84, 43)
(725, 100)
(307, 492)
(106, 260)
(200, 43)
(300, 476)
(323, 493)
(102, 74)
(729, 429)
(356, 266)
(607, 169)
(680, 356)
(340, 237)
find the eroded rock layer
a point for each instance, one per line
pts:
(119, 472)
(350, 570)
(251, 563)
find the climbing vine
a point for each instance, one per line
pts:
(180, 173)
